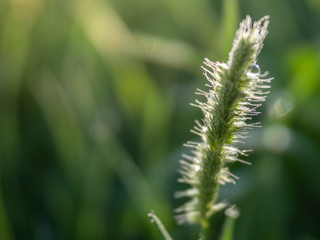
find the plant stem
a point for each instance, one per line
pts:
(154, 219)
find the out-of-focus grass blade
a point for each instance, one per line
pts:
(15, 41)
(168, 52)
(195, 18)
(304, 72)
(230, 19)
(145, 105)
(113, 39)
(5, 232)
(67, 133)
(227, 232)
(131, 176)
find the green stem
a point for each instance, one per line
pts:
(154, 219)
(204, 232)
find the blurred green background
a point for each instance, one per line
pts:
(94, 109)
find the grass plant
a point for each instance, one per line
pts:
(235, 91)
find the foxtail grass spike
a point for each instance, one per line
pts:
(236, 89)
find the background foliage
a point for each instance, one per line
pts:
(94, 111)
